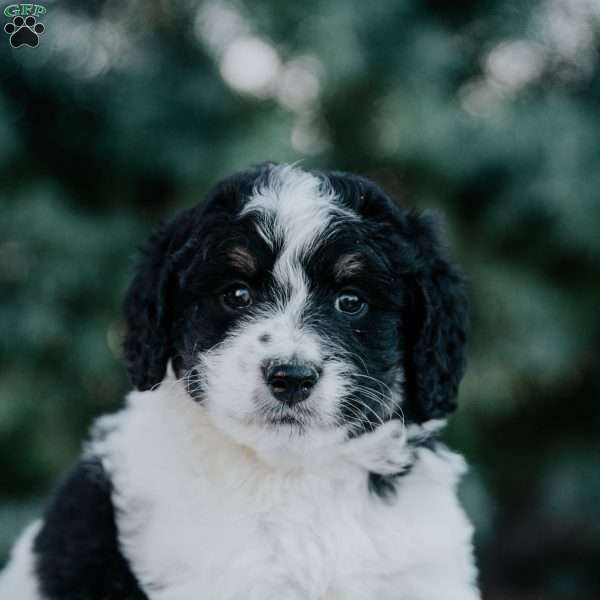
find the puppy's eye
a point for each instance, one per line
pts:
(237, 297)
(350, 304)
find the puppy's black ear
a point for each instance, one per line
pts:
(436, 362)
(148, 304)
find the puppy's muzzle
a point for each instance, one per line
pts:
(291, 383)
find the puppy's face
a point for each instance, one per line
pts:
(299, 308)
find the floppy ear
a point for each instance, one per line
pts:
(148, 305)
(436, 361)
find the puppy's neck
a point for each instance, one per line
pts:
(179, 429)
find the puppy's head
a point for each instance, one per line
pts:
(297, 304)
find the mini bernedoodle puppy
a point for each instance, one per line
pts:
(297, 342)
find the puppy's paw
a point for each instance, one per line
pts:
(383, 450)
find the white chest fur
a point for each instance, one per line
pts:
(201, 518)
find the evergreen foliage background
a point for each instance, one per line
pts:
(487, 110)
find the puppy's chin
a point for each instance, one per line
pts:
(281, 439)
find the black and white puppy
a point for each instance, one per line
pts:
(296, 342)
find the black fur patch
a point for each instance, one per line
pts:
(77, 551)
(383, 486)
(386, 486)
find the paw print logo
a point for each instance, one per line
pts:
(24, 32)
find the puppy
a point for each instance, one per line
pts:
(296, 343)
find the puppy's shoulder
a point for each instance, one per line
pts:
(77, 551)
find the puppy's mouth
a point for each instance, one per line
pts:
(280, 415)
(285, 420)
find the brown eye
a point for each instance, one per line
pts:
(237, 297)
(350, 304)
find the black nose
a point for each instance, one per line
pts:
(291, 382)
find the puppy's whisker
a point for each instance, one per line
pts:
(364, 405)
(381, 399)
(359, 419)
(377, 381)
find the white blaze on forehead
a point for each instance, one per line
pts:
(294, 210)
